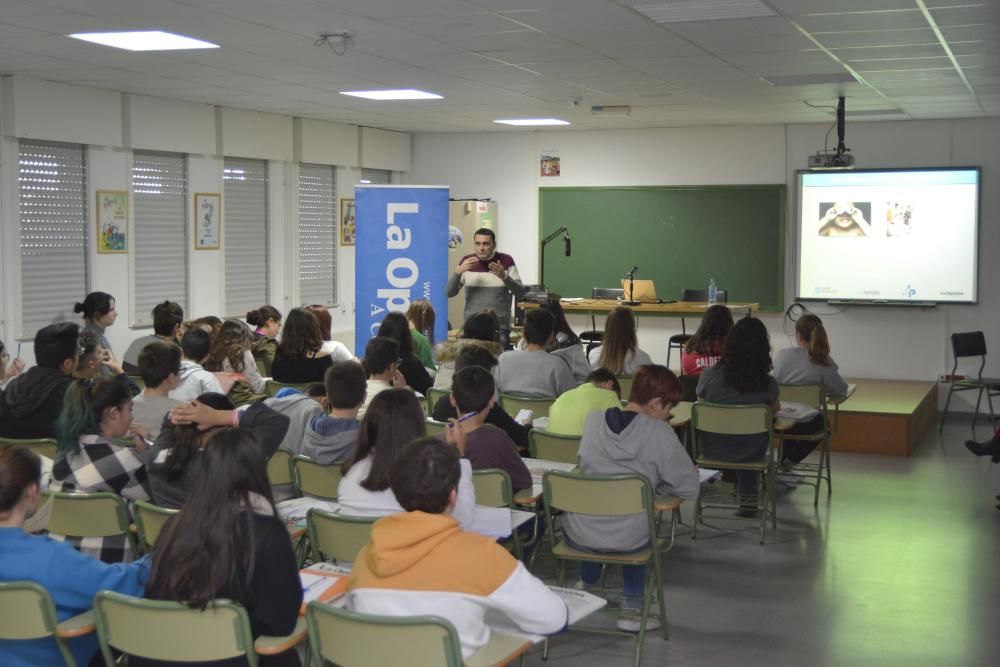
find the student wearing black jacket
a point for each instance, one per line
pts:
(397, 327)
(32, 401)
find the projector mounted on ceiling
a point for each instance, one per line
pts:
(841, 157)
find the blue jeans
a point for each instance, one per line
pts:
(634, 576)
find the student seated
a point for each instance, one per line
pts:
(300, 357)
(809, 362)
(566, 343)
(443, 410)
(394, 419)
(534, 371)
(600, 392)
(325, 429)
(93, 416)
(421, 317)
(742, 377)
(337, 350)
(230, 353)
(421, 561)
(382, 363)
(167, 319)
(619, 352)
(486, 446)
(159, 368)
(704, 347)
(70, 577)
(8, 372)
(32, 401)
(174, 468)
(99, 313)
(635, 439)
(396, 327)
(228, 542)
(194, 379)
(266, 322)
(480, 330)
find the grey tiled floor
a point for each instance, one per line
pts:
(901, 566)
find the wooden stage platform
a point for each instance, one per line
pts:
(886, 417)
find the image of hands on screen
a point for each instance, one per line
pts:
(844, 219)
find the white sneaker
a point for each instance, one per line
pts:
(631, 622)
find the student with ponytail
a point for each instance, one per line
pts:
(99, 313)
(809, 362)
(266, 322)
(70, 577)
(92, 417)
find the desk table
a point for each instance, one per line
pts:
(680, 308)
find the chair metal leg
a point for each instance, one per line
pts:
(947, 402)
(975, 415)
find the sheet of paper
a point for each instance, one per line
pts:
(492, 521)
(295, 509)
(800, 412)
(579, 604)
(705, 474)
(314, 585)
(571, 299)
(523, 416)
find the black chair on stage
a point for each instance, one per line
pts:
(971, 344)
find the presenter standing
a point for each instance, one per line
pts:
(490, 279)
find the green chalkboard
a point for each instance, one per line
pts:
(679, 237)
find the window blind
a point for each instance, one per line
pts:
(244, 234)
(375, 176)
(52, 199)
(317, 235)
(159, 183)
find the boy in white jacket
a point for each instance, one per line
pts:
(195, 380)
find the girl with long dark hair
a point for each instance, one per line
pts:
(300, 356)
(99, 313)
(228, 542)
(396, 327)
(337, 350)
(704, 347)
(230, 353)
(742, 377)
(619, 352)
(393, 419)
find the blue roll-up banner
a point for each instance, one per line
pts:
(401, 255)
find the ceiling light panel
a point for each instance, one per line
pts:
(684, 11)
(401, 94)
(144, 40)
(527, 122)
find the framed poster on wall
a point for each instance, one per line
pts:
(207, 220)
(112, 221)
(348, 224)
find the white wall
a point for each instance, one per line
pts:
(899, 343)
(111, 124)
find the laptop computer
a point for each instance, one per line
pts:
(645, 291)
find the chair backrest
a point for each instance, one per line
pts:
(553, 446)
(625, 382)
(137, 381)
(272, 387)
(162, 630)
(433, 396)
(351, 638)
(968, 344)
(809, 394)
(149, 522)
(730, 420)
(600, 495)
(314, 479)
(100, 514)
(434, 427)
(279, 468)
(607, 293)
(701, 295)
(493, 487)
(512, 404)
(689, 386)
(26, 611)
(41, 446)
(336, 536)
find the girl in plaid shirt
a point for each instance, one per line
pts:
(93, 415)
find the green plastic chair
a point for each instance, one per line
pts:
(149, 522)
(433, 396)
(100, 514)
(279, 468)
(809, 473)
(313, 479)
(553, 446)
(625, 382)
(493, 488)
(27, 612)
(433, 427)
(345, 637)
(337, 537)
(46, 447)
(166, 630)
(734, 420)
(609, 496)
(512, 404)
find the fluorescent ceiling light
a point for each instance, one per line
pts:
(144, 40)
(682, 11)
(406, 94)
(532, 121)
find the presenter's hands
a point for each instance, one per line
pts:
(496, 268)
(467, 264)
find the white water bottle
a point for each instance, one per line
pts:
(713, 292)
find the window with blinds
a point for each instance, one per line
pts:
(159, 184)
(52, 199)
(317, 235)
(375, 176)
(244, 234)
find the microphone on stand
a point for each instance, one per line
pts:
(569, 252)
(631, 288)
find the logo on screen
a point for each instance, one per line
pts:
(909, 292)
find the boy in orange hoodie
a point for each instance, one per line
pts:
(421, 562)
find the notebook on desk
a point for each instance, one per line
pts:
(643, 291)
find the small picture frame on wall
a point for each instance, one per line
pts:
(207, 220)
(112, 221)
(348, 224)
